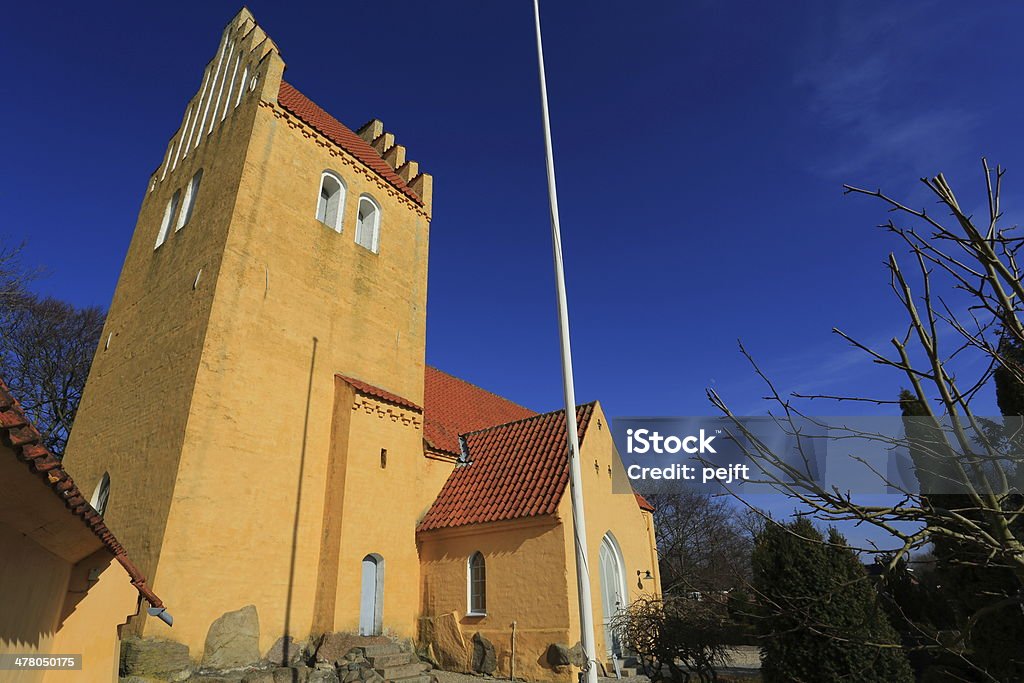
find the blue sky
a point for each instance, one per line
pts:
(700, 150)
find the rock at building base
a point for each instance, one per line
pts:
(322, 676)
(154, 657)
(442, 637)
(334, 647)
(576, 655)
(286, 674)
(484, 659)
(233, 640)
(285, 652)
(558, 655)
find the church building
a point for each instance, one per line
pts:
(260, 426)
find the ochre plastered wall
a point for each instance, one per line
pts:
(135, 409)
(606, 511)
(531, 566)
(33, 582)
(526, 583)
(380, 512)
(61, 591)
(99, 601)
(215, 415)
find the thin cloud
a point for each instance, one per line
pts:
(871, 79)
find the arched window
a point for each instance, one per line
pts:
(190, 200)
(477, 577)
(169, 212)
(331, 202)
(101, 494)
(368, 224)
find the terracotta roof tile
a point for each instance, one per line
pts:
(382, 394)
(18, 433)
(335, 131)
(642, 502)
(453, 406)
(515, 470)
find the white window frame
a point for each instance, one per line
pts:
(375, 241)
(169, 214)
(338, 223)
(189, 202)
(470, 612)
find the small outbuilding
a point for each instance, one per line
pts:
(66, 584)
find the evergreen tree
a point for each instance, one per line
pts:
(982, 590)
(977, 589)
(1009, 390)
(822, 620)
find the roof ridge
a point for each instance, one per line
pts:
(377, 392)
(357, 147)
(477, 386)
(527, 419)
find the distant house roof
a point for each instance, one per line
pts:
(24, 440)
(378, 393)
(453, 406)
(335, 131)
(515, 470)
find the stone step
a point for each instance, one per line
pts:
(627, 668)
(412, 679)
(400, 671)
(380, 649)
(394, 659)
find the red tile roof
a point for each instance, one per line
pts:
(335, 131)
(515, 470)
(642, 502)
(382, 394)
(18, 433)
(453, 406)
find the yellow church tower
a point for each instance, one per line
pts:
(254, 414)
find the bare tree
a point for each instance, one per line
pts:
(968, 469)
(675, 638)
(703, 541)
(46, 350)
(13, 277)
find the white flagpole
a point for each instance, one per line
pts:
(575, 482)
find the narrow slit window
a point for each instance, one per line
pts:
(331, 202)
(169, 213)
(190, 200)
(242, 85)
(368, 224)
(101, 495)
(477, 584)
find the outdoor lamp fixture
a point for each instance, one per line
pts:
(641, 577)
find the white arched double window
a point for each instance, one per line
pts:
(191, 192)
(476, 575)
(368, 224)
(330, 203)
(101, 495)
(169, 213)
